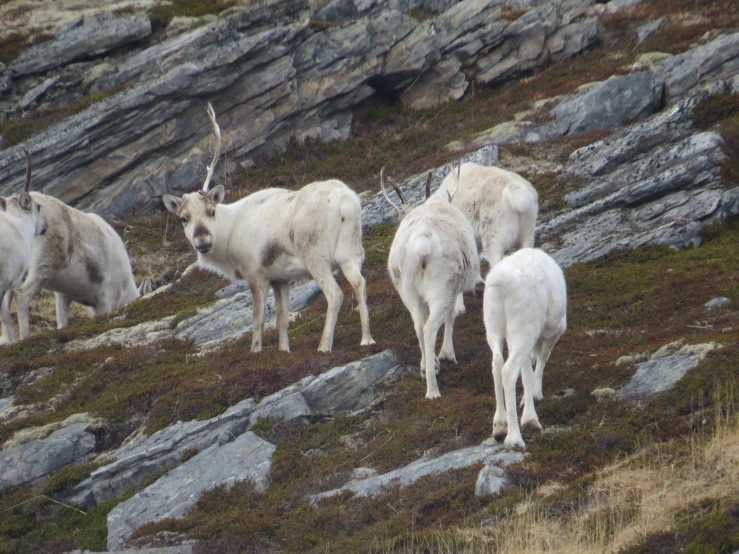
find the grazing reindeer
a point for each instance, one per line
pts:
(276, 236)
(21, 220)
(433, 259)
(501, 206)
(526, 306)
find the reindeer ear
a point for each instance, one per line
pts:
(217, 194)
(3, 204)
(24, 201)
(172, 203)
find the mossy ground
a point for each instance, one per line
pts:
(629, 302)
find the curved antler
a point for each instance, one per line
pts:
(428, 185)
(398, 191)
(384, 192)
(27, 188)
(217, 133)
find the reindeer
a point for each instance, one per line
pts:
(525, 305)
(21, 220)
(501, 205)
(275, 236)
(432, 260)
(80, 259)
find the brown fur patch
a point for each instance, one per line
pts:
(200, 231)
(93, 271)
(271, 251)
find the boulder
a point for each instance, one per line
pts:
(95, 37)
(405, 476)
(644, 31)
(37, 92)
(491, 481)
(248, 457)
(717, 303)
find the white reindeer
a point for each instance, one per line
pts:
(525, 305)
(20, 221)
(433, 258)
(501, 205)
(276, 236)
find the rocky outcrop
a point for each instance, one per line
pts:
(654, 182)
(92, 37)
(58, 445)
(271, 77)
(342, 389)
(246, 458)
(494, 455)
(660, 371)
(226, 320)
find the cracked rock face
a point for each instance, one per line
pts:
(653, 182)
(270, 77)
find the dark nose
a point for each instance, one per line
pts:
(203, 245)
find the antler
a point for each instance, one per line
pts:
(27, 188)
(456, 179)
(217, 133)
(398, 191)
(428, 185)
(384, 192)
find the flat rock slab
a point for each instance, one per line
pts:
(26, 462)
(490, 455)
(666, 367)
(247, 457)
(96, 36)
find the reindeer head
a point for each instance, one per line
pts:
(197, 210)
(24, 206)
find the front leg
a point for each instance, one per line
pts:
(259, 289)
(281, 291)
(62, 309)
(8, 332)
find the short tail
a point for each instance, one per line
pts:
(421, 247)
(519, 198)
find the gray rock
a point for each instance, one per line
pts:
(643, 31)
(666, 367)
(247, 457)
(6, 402)
(37, 92)
(287, 405)
(26, 462)
(617, 5)
(409, 474)
(685, 72)
(164, 449)
(97, 36)
(376, 210)
(716, 303)
(655, 182)
(338, 10)
(611, 103)
(229, 291)
(490, 481)
(273, 79)
(352, 386)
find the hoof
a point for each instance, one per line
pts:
(512, 443)
(366, 342)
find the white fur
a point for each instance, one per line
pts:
(526, 306)
(18, 227)
(276, 236)
(433, 258)
(81, 259)
(501, 205)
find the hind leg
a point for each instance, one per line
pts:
(354, 276)
(430, 331)
(259, 289)
(447, 347)
(500, 422)
(459, 307)
(8, 331)
(519, 354)
(331, 290)
(543, 351)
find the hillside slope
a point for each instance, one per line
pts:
(643, 216)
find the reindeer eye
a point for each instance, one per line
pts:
(213, 213)
(183, 219)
